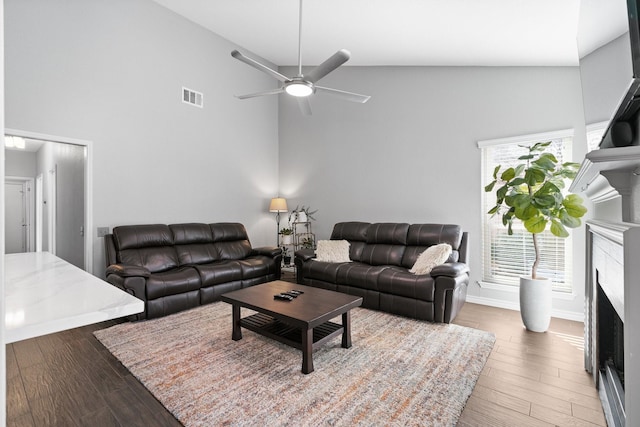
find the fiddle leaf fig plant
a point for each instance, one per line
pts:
(532, 192)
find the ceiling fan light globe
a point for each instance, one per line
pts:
(299, 89)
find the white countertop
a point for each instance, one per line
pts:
(46, 294)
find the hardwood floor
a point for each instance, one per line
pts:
(530, 379)
(70, 379)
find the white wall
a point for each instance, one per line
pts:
(410, 153)
(111, 73)
(3, 364)
(605, 74)
(20, 163)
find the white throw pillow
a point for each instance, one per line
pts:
(333, 251)
(434, 255)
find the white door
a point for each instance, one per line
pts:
(15, 225)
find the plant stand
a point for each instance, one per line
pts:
(303, 236)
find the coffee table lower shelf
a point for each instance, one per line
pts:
(275, 329)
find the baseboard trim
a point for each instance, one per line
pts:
(561, 314)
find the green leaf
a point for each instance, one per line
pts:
(521, 201)
(540, 146)
(568, 220)
(536, 224)
(546, 161)
(573, 205)
(533, 176)
(508, 174)
(557, 229)
(548, 188)
(494, 210)
(489, 187)
(520, 169)
(516, 182)
(495, 172)
(502, 192)
(526, 213)
(526, 157)
(543, 201)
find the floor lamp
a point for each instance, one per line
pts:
(278, 205)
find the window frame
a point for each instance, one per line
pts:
(488, 201)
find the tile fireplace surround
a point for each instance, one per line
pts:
(612, 317)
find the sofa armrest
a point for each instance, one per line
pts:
(305, 254)
(270, 251)
(450, 269)
(124, 270)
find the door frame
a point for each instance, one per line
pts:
(88, 184)
(29, 199)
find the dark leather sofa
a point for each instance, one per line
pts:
(180, 266)
(382, 255)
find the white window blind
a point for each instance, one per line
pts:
(507, 258)
(595, 132)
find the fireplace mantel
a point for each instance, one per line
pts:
(608, 173)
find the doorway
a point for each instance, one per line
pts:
(18, 214)
(59, 202)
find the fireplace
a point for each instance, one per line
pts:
(612, 266)
(609, 347)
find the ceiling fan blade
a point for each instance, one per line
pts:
(333, 62)
(305, 105)
(267, 92)
(348, 96)
(255, 64)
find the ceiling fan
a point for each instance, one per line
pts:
(302, 86)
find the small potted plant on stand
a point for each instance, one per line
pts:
(532, 193)
(287, 236)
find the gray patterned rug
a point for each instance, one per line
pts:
(398, 372)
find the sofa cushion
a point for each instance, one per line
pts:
(148, 246)
(333, 251)
(319, 270)
(359, 275)
(194, 243)
(388, 233)
(431, 257)
(219, 272)
(142, 236)
(172, 282)
(385, 244)
(231, 240)
(257, 266)
(155, 260)
(355, 232)
(398, 281)
(421, 236)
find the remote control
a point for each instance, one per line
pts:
(297, 291)
(291, 294)
(283, 297)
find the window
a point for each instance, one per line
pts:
(506, 258)
(595, 133)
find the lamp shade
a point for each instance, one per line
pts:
(278, 204)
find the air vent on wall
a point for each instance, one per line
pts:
(192, 97)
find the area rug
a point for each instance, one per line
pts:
(398, 372)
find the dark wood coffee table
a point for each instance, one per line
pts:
(302, 323)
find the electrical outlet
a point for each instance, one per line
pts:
(103, 231)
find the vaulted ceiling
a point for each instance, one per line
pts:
(414, 32)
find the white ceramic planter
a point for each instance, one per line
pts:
(286, 239)
(301, 217)
(535, 303)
